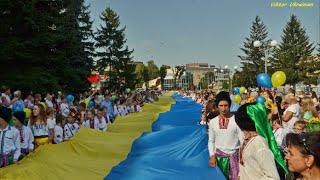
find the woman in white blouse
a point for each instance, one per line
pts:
(256, 159)
(38, 125)
(292, 113)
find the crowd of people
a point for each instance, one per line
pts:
(30, 120)
(251, 140)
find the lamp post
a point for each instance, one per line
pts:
(231, 74)
(272, 44)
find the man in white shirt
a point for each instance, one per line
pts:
(224, 138)
(10, 148)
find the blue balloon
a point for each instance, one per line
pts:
(70, 98)
(91, 104)
(236, 90)
(261, 99)
(264, 80)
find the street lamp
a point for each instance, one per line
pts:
(231, 74)
(272, 44)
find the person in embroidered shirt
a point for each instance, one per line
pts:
(101, 119)
(58, 131)
(26, 136)
(39, 126)
(224, 138)
(256, 159)
(70, 128)
(93, 122)
(9, 139)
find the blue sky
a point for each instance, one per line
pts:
(185, 31)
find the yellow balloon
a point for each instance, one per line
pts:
(278, 78)
(237, 99)
(242, 90)
(28, 112)
(43, 104)
(87, 102)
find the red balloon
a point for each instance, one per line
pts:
(94, 78)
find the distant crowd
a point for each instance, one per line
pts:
(28, 120)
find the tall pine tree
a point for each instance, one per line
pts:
(252, 60)
(30, 49)
(114, 58)
(41, 46)
(76, 42)
(293, 51)
(86, 34)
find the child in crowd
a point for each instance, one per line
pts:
(101, 118)
(70, 128)
(299, 126)
(278, 131)
(135, 107)
(51, 122)
(26, 136)
(9, 139)
(121, 108)
(39, 126)
(58, 130)
(93, 122)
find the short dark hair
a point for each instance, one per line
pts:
(308, 143)
(223, 96)
(243, 120)
(59, 118)
(275, 118)
(101, 109)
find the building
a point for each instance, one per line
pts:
(205, 75)
(198, 76)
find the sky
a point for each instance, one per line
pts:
(176, 32)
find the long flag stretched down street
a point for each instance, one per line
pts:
(175, 149)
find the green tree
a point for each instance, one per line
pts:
(114, 57)
(153, 69)
(225, 85)
(240, 78)
(36, 53)
(76, 45)
(139, 74)
(87, 36)
(146, 76)
(163, 73)
(28, 44)
(252, 60)
(293, 50)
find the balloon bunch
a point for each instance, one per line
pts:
(277, 79)
(237, 94)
